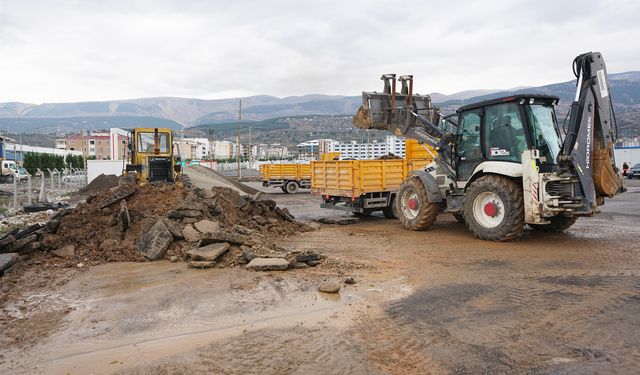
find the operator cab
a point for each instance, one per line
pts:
(501, 129)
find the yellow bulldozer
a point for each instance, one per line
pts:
(151, 155)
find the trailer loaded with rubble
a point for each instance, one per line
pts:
(365, 186)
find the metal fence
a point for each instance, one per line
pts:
(46, 187)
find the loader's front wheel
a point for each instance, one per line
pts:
(557, 224)
(494, 208)
(413, 207)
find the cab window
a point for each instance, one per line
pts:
(504, 138)
(146, 142)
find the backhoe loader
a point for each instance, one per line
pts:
(503, 163)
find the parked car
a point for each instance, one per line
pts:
(10, 170)
(634, 172)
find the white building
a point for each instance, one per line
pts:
(396, 145)
(194, 148)
(314, 148)
(264, 151)
(354, 150)
(221, 149)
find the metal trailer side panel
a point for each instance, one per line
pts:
(285, 172)
(414, 150)
(353, 178)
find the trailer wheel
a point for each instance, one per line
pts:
(413, 207)
(391, 212)
(557, 224)
(291, 187)
(284, 190)
(494, 208)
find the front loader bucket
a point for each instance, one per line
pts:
(379, 112)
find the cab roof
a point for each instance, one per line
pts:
(509, 98)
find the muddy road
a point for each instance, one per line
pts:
(424, 302)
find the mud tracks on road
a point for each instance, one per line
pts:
(551, 323)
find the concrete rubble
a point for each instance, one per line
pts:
(329, 287)
(176, 221)
(268, 264)
(7, 260)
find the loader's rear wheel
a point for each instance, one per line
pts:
(413, 207)
(557, 224)
(291, 187)
(494, 208)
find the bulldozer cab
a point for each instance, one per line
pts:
(502, 129)
(151, 154)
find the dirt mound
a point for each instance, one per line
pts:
(163, 220)
(101, 183)
(389, 156)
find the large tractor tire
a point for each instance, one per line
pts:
(557, 224)
(291, 187)
(494, 208)
(391, 212)
(413, 207)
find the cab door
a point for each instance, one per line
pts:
(468, 149)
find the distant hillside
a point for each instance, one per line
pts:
(184, 112)
(75, 124)
(625, 92)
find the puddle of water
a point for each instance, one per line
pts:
(330, 296)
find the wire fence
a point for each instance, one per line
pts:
(48, 186)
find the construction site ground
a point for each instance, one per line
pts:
(438, 301)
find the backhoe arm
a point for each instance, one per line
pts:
(591, 132)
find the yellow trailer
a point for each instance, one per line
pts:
(365, 186)
(289, 177)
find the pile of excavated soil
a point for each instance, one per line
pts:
(101, 183)
(94, 229)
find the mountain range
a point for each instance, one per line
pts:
(179, 113)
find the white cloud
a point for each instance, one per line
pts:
(75, 50)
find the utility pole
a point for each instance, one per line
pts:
(250, 149)
(238, 154)
(21, 152)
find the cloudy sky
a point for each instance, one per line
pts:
(59, 51)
